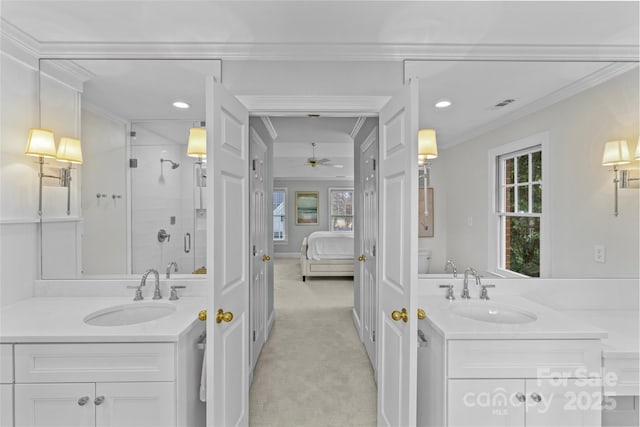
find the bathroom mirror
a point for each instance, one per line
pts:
(142, 198)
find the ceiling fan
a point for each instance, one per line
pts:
(313, 161)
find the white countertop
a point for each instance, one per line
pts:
(550, 324)
(622, 326)
(60, 319)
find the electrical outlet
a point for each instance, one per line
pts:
(599, 253)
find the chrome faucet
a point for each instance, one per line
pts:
(465, 288)
(175, 268)
(156, 292)
(452, 265)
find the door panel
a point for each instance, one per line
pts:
(136, 404)
(490, 403)
(258, 232)
(55, 405)
(369, 288)
(397, 258)
(227, 257)
(564, 402)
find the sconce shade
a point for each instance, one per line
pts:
(41, 143)
(616, 153)
(638, 150)
(427, 145)
(69, 150)
(197, 146)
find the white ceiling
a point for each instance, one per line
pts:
(325, 46)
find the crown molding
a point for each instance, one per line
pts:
(357, 126)
(269, 125)
(339, 51)
(588, 82)
(336, 106)
(18, 45)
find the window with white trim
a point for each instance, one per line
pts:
(279, 208)
(341, 209)
(519, 210)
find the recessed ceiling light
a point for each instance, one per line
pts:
(443, 104)
(181, 105)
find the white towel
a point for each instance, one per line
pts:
(203, 377)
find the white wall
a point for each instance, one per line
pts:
(581, 190)
(19, 248)
(104, 237)
(296, 233)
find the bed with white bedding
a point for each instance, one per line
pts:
(327, 253)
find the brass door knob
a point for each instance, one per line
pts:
(362, 258)
(400, 315)
(202, 315)
(421, 314)
(266, 258)
(221, 315)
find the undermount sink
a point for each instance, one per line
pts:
(486, 311)
(130, 314)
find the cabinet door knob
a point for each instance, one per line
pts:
(362, 258)
(536, 397)
(421, 314)
(221, 315)
(521, 397)
(83, 400)
(266, 258)
(98, 400)
(202, 315)
(400, 315)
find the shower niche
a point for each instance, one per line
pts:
(168, 209)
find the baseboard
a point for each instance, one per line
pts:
(356, 323)
(286, 255)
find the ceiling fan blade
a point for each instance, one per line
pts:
(322, 161)
(337, 166)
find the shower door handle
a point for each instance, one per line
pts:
(187, 243)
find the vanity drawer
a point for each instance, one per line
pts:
(621, 376)
(524, 358)
(6, 363)
(41, 363)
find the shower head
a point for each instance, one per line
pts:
(174, 165)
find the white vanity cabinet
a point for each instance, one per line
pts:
(508, 382)
(102, 384)
(6, 385)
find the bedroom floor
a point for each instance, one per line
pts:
(313, 371)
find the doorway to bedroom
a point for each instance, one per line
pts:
(314, 365)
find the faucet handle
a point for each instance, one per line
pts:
(483, 294)
(138, 296)
(450, 295)
(174, 292)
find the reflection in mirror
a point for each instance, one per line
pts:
(167, 200)
(141, 197)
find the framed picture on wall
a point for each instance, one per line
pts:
(307, 207)
(425, 221)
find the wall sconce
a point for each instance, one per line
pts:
(427, 150)
(41, 143)
(197, 145)
(617, 153)
(69, 150)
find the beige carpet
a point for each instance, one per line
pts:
(313, 371)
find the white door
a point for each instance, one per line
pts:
(259, 256)
(397, 272)
(368, 285)
(227, 258)
(64, 405)
(151, 404)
